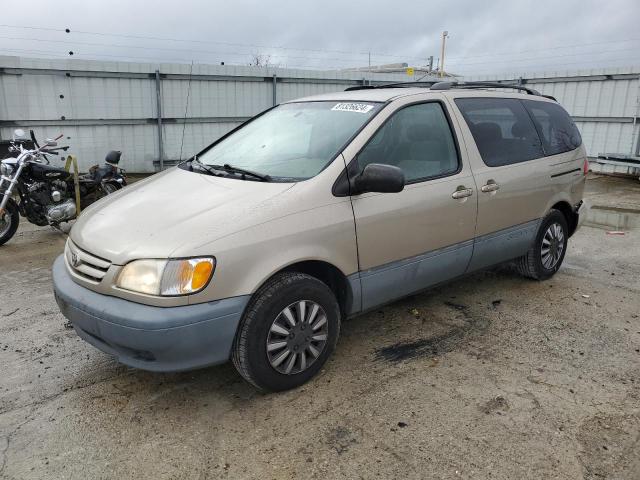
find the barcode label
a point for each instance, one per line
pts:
(353, 107)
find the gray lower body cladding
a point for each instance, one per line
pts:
(383, 284)
(147, 337)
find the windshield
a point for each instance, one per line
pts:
(294, 141)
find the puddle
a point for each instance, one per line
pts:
(612, 218)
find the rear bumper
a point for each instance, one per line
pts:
(147, 337)
(581, 210)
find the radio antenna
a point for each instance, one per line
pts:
(186, 109)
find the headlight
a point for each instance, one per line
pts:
(167, 277)
(5, 169)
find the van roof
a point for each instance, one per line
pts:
(385, 93)
(369, 95)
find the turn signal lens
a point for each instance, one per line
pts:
(186, 276)
(201, 275)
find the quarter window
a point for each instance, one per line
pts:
(418, 140)
(502, 130)
(558, 132)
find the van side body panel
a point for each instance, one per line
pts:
(508, 218)
(413, 239)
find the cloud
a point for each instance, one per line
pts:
(485, 36)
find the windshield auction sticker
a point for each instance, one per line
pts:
(353, 107)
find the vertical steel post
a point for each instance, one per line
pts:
(274, 90)
(445, 34)
(636, 123)
(159, 110)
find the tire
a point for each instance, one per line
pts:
(265, 317)
(535, 263)
(12, 213)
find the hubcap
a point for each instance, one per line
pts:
(552, 246)
(297, 337)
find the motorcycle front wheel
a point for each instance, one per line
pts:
(9, 221)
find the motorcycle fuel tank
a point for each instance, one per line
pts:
(47, 172)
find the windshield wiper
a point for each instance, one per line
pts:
(230, 168)
(205, 167)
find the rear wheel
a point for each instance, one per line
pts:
(110, 187)
(288, 332)
(545, 256)
(9, 221)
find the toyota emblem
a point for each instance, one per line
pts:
(75, 261)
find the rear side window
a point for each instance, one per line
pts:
(502, 129)
(558, 132)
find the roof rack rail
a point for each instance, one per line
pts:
(450, 85)
(392, 85)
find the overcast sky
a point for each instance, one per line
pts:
(485, 36)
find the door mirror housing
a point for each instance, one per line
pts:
(380, 178)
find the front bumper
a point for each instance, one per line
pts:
(146, 337)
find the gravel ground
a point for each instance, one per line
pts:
(492, 376)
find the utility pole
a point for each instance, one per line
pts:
(445, 34)
(430, 63)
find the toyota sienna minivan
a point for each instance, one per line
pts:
(316, 210)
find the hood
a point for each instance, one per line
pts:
(170, 211)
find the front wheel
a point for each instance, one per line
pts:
(289, 330)
(544, 258)
(9, 221)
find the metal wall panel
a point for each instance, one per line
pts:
(609, 97)
(112, 105)
(101, 106)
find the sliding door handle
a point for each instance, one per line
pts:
(491, 186)
(462, 192)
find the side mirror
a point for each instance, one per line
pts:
(380, 178)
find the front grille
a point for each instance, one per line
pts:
(85, 264)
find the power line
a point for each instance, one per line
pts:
(191, 51)
(378, 54)
(169, 39)
(124, 57)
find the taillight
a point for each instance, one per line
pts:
(585, 166)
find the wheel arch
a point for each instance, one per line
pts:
(345, 288)
(572, 219)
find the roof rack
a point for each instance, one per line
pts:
(432, 85)
(450, 85)
(392, 85)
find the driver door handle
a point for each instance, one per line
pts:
(490, 186)
(462, 192)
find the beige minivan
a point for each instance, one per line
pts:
(317, 210)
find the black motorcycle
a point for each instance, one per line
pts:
(47, 195)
